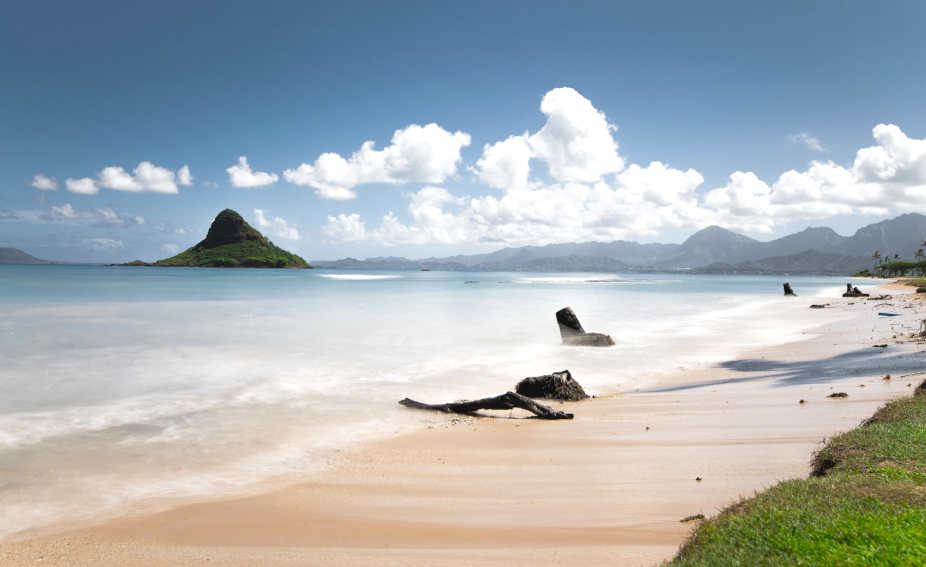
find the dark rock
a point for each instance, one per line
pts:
(838, 395)
(556, 386)
(570, 329)
(921, 290)
(788, 290)
(818, 306)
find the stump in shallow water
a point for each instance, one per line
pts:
(788, 290)
(570, 329)
(555, 386)
(853, 292)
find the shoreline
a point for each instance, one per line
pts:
(602, 489)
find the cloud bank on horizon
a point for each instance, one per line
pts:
(592, 194)
(565, 182)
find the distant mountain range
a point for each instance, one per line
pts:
(17, 256)
(816, 250)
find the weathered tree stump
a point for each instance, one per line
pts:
(788, 290)
(506, 401)
(570, 329)
(853, 292)
(555, 386)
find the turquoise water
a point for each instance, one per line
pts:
(125, 386)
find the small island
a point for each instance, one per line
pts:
(231, 243)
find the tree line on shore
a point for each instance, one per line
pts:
(888, 265)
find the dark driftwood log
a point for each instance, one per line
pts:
(556, 386)
(507, 401)
(573, 334)
(788, 290)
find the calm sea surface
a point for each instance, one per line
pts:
(120, 386)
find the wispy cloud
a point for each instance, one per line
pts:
(806, 139)
(102, 216)
(277, 226)
(101, 244)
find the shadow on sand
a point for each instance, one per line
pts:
(857, 363)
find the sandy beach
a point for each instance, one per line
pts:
(609, 487)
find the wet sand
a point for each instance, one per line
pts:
(609, 487)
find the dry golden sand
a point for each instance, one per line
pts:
(606, 488)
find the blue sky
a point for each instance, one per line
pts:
(705, 89)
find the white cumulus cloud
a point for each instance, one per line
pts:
(576, 141)
(83, 186)
(277, 226)
(425, 154)
(44, 183)
(345, 228)
(146, 177)
(241, 175)
(506, 164)
(593, 196)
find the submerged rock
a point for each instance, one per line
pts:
(556, 386)
(570, 329)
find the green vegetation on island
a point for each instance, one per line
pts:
(232, 243)
(864, 505)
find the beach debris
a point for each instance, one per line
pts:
(921, 290)
(555, 386)
(506, 401)
(788, 290)
(647, 427)
(698, 478)
(853, 292)
(879, 346)
(819, 305)
(570, 329)
(880, 298)
(802, 401)
(887, 377)
(838, 395)
(888, 314)
(692, 518)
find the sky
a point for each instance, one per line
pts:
(414, 129)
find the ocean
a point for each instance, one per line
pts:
(123, 388)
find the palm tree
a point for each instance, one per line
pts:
(877, 259)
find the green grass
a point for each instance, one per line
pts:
(865, 506)
(250, 253)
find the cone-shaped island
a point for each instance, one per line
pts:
(232, 243)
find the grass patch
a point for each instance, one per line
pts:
(866, 504)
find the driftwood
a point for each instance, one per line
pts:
(788, 290)
(507, 401)
(555, 386)
(570, 329)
